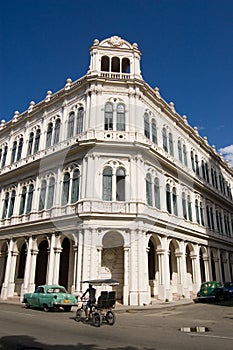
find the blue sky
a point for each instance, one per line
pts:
(187, 51)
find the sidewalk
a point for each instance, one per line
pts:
(156, 305)
(119, 308)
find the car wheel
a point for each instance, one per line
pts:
(27, 305)
(46, 308)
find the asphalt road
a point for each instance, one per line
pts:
(158, 329)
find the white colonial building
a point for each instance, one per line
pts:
(105, 179)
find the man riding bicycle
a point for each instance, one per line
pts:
(91, 300)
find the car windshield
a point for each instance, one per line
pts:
(57, 290)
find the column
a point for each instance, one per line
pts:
(31, 286)
(4, 292)
(126, 300)
(51, 259)
(143, 278)
(57, 255)
(161, 280)
(27, 266)
(11, 286)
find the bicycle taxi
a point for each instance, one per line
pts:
(102, 311)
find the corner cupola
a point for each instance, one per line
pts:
(115, 58)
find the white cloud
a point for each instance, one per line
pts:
(227, 153)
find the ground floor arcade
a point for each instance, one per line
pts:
(146, 264)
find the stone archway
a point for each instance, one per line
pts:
(41, 263)
(64, 263)
(3, 260)
(112, 260)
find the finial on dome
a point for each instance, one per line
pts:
(16, 116)
(68, 83)
(31, 106)
(96, 42)
(48, 96)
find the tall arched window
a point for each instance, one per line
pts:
(20, 148)
(171, 144)
(51, 189)
(12, 203)
(190, 214)
(108, 116)
(13, 152)
(66, 188)
(125, 65)
(197, 211)
(30, 143)
(185, 155)
(146, 126)
(154, 131)
(49, 135)
(42, 195)
(4, 156)
(37, 141)
(70, 129)
(5, 205)
(157, 193)
(180, 151)
(192, 160)
(57, 131)
(105, 64)
(120, 184)
(149, 190)
(197, 165)
(168, 198)
(75, 186)
(79, 126)
(107, 184)
(115, 65)
(23, 200)
(29, 199)
(184, 205)
(120, 117)
(164, 136)
(174, 201)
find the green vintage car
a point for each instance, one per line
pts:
(211, 291)
(49, 297)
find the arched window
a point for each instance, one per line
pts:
(157, 193)
(180, 151)
(0, 156)
(185, 155)
(42, 195)
(29, 199)
(184, 205)
(197, 165)
(190, 214)
(192, 160)
(37, 141)
(125, 65)
(115, 65)
(75, 186)
(66, 188)
(149, 190)
(23, 200)
(57, 131)
(22, 261)
(171, 144)
(197, 211)
(12, 203)
(107, 184)
(108, 116)
(20, 148)
(120, 117)
(105, 64)
(30, 143)
(154, 131)
(164, 136)
(146, 126)
(120, 184)
(5, 205)
(202, 214)
(79, 126)
(51, 189)
(13, 153)
(208, 216)
(203, 169)
(4, 156)
(49, 135)
(174, 201)
(70, 130)
(168, 198)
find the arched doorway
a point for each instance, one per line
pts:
(64, 263)
(173, 267)
(112, 260)
(41, 263)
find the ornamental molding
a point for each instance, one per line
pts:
(115, 41)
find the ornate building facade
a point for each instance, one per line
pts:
(105, 179)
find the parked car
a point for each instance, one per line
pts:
(48, 297)
(229, 287)
(211, 291)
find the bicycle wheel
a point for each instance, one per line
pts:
(110, 318)
(96, 319)
(78, 315)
